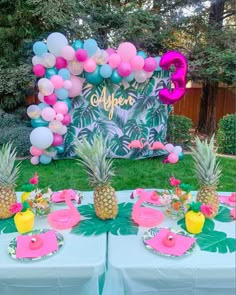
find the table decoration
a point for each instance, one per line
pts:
(169, 242)
(233, 213)
(228, 200)
(58, 197)
(38, 244)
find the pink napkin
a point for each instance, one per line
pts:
(49, 244)
(226, 200)
(57, 197)
(182, 243)
(233, 213)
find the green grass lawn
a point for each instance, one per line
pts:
(130, 174)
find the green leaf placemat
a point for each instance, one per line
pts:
(209, 225)
(121, 225)
(7, 226)
(224, 215)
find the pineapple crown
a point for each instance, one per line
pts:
(93, 159)
(9, 172)
(206, 167)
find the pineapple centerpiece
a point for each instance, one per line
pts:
(8, 175)
(208, 173)
(99, 170)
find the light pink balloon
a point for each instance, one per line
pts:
(126, 51)
(48, 114)
(68, 52)
(67, 84)
(57, 81)
(81, 55)
(169, 147)
(57, 139)
(60, 107)
(110, 51)
(124, 69)
(67, 119)
(60, 63)
(50, 99)
(35, 151)
(76, 87)
(137, 62)
(150, 64)
(89, 65)
(34, 160)
(39, 70)
(173, 158)
(114, 60)
(59, 117)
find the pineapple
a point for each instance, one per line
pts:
(99, 170)
(8, 175)
(208, 173)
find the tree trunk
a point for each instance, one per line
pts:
(207, 114)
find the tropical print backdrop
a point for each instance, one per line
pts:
(123, 112)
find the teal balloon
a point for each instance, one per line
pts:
(94, 78)
(43, 159)
(77, 44)
(129, 78)
(115, 77)
(91, 46)
(68, 102)
(142, 53)
(39, 122)
(60, 149)
(157, 58)
(50, 72)
(39, 48)
(181, 156)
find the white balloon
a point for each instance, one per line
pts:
(63, 130)
(45, 86)
(55, 43)
(75, 67)
(140, 76)
(55, 126)
(37, 60)
(33, 111)
(169, 147)
(41, 97)
(177, 150)
(149, 74)
(49, 60)
(41, 137)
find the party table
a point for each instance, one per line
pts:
(134, 270)
(78, 268)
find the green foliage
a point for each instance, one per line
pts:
(178, 130)
(7, 226)
(226, 135)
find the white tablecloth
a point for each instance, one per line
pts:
(77, 269)
(134, 270)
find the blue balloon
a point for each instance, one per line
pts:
(142, 53)
(77, 44)
(157, 58)
(62, 93)
(64, 73)
(50, 72)
(68, 102)
(43, 105)
(94, 78)
(129, 78)
(39, 122)
(43, 159)
(115, 77)
(91, 46)
(106, 71)
(39, 48)
(181, 156)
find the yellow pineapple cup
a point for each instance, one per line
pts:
(24, 217)
(194, 218)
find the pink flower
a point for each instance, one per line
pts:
(174, 181)
(233, 213)
(206, 209)
(16, 207)
(35, 179)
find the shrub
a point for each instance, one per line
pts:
(178, 130)
(226, 135)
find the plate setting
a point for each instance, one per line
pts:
(169, 242)
(12, 247)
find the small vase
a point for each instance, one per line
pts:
(43, 210)
(176, 213)
(24, 221)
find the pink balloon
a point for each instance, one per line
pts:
(39, 70)
(57, 139)
(35, 151)
(114, 60)
(126, 51)
(34, 160)
(59, 117)
(68, 52)
(137, 62)
(50, 99)
(57, 81)
(81, 55)
(60, 107)
(67, 84)
(76, 87)
(124, 69)
(110, 51)
(48, 114)
(150, 64)
(173, 158)
(178, 78)
(60, 63)
(67, 119)
(89, 65)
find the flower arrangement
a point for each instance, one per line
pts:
(176, 199)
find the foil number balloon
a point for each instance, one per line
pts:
(178, 77)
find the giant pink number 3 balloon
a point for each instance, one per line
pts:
(178, 77)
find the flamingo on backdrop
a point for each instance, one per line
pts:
(157, 145)
(145, 216)
(136, 144)
(65, 218)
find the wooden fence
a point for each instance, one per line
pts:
(190, 104)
